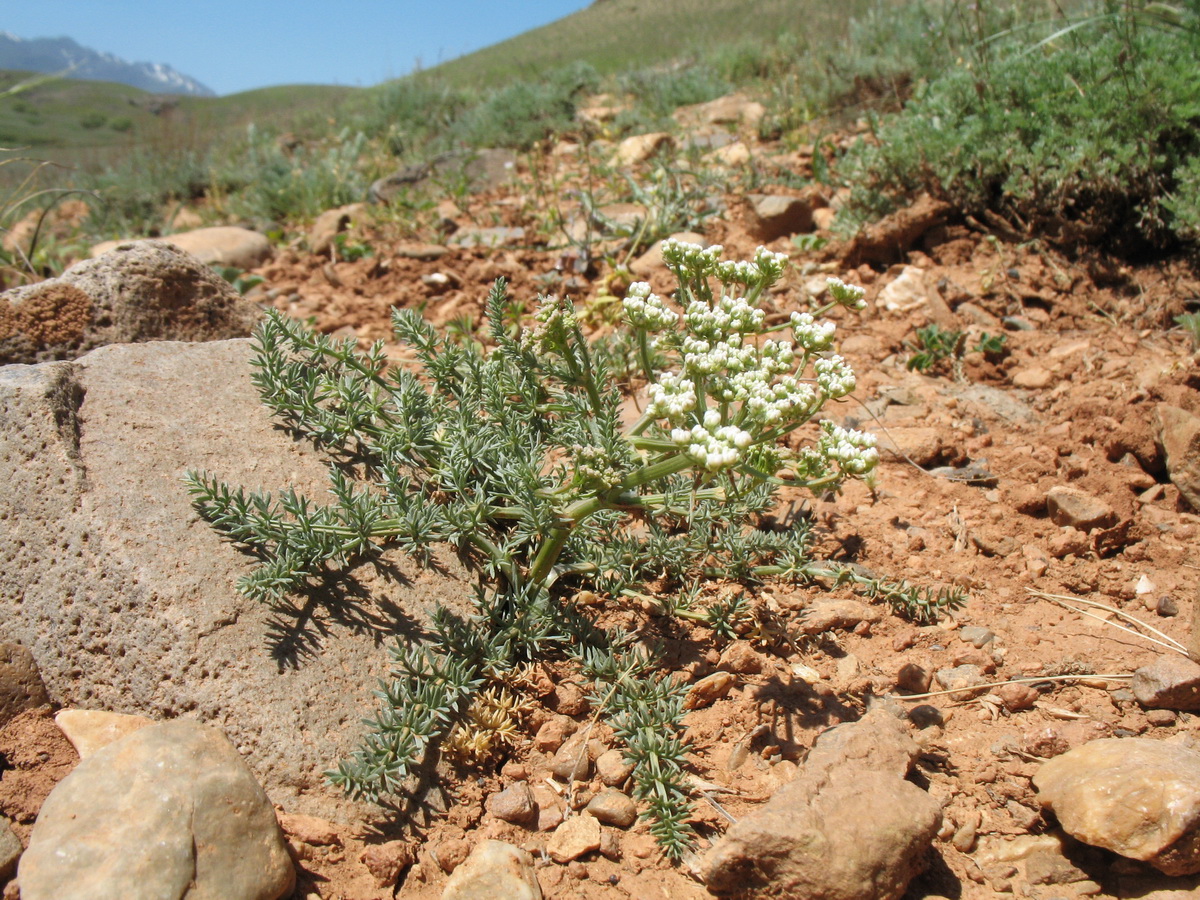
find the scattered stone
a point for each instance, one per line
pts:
(221, 245)
(476, 170)
(424, 252)
(873, 828)
(914, 678)
(640, 147)
(1033, 378)
(651, 261)
(837, 615)
(170, 810)
(610, 844)
(496, 236)
(612, 807)
(774, 216)
(88, 730)
(553, 732)
(452, 853)
(1170, 682)
(1017, 697)
(964, 837)
(569, 699)
(977, 635)
(926, 716)
(495, 870)
(21, 686)
(878, 741)
(1068, 542)
(1137, 797)
(309, 830)
(906, 292)
(571, 761)
(612, 768)
(10, 850)
(742, 658)
(1078, 509)
(572, 839)
(1161, 718)
(732, 109)
(1179, 438)
(549, 806)
(961, 680)
(329, 224)
(1046, 866)
(1166, 606)
(708, 690)
(386, 861)
(889, 240)
(919, 444)
(142, 291)
(736, 154)
(1037, 562)
(514, 804)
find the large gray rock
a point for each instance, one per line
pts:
(141, 291)
(1137, 797)
(126, 598)
(168, 812)
(849, 827)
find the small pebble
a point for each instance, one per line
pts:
(1167, 606)
(925, 716)
(1160, 718)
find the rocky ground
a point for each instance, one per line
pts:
(1056, 482)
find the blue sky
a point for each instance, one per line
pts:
(234, 46)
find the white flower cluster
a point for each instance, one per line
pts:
(711, 444)
(753, 380)
(854, 451)
(692, 257)
(764, 271)
(770, 264)
(848, 295)
(729, 315)
(813, 336)
(557, 318)
(672, 397)
(834, 377)
(646, 310)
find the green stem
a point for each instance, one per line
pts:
(551, 549)
(643, 354)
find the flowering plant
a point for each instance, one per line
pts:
(521, 458)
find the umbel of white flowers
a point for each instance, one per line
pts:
(757, 386)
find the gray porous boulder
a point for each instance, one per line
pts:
(127, 600)
(849, 827)
(169, 812)
(139, 291)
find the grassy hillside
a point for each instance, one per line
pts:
(617, 35)
(91, 123)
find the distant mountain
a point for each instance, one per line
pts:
(61, 54)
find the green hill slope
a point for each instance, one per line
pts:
(613, 35)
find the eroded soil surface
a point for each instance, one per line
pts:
(973, 449)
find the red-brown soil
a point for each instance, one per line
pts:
(1098, 355)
